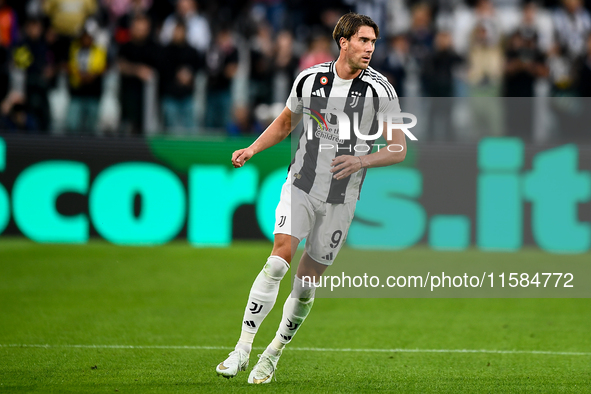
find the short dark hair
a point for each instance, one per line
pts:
(349, 25)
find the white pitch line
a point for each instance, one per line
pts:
(306, 349)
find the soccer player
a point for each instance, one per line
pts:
(322, 187)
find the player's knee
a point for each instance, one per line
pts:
(284, 253)
(282, 248)
(276, 267)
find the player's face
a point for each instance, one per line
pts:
(360, 48)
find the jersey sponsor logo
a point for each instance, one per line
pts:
(282, 220)
(257, 308)
(323, 129)
(317, 117)
(331, 120)
(328, 136)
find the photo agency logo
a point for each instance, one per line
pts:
(333, 128)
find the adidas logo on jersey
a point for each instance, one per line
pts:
(328, 257)
(319, 92)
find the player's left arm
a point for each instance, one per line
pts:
(394, 152)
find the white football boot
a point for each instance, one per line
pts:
(264, 370)
(236, 361)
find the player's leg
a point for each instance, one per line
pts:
(299, 303)
(265, 288)
(295, 310)
(323, 244)
(261, 299)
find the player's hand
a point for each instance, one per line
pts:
(241, 156)
(345, 165)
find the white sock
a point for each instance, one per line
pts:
(295, 310)
(261, 299)
(275, 347)
(245, 341)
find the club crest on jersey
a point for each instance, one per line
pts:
(355, 99)
(323, 80)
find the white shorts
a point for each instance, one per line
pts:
(324, 225)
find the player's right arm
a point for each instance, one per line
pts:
(275, 133)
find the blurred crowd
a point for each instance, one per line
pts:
(226, 66)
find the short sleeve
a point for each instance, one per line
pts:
(390, 106)
(294, 101)
(388, 99)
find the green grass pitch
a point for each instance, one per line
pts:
(158, 299)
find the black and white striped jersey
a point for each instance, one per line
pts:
(316, 90)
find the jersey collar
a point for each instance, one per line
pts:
(333, 69)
